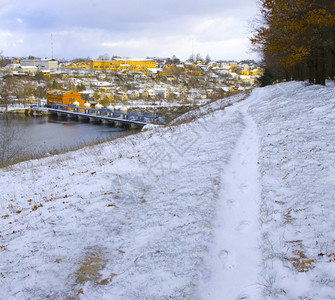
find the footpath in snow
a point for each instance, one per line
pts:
(234, 260)
(236, 204)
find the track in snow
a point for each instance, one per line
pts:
(235, 257)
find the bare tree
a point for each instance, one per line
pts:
(191, 58)
(104, 57)
(10, 150)
(5, 96)
(198, 58)
(207, 59)
(3, 60)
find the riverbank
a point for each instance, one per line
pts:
(170, 211)
(15, 108)
(23, 138)
(16, 150)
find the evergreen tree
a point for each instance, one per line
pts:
(266, 79)
(54, 85)
(80, 87)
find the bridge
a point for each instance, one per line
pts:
(106, 114)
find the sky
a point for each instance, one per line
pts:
(127, 28)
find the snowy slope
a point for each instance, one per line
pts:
(209, 108)
(297, 213)
(237, 203)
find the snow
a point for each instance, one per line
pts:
(296, 127)
(204, 110)
(236, 234)
(236, 202)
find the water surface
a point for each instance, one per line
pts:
(34, 136)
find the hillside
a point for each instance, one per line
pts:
(236, 204)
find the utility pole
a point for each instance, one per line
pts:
(52, 47)
(192, 48)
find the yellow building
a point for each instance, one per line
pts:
(162, 72)
(120, 64)
(46, 73)
(245, 72)
(64, 97)
(195, 73)
(189, 65)
(255, 72)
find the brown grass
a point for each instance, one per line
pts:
(90, 267)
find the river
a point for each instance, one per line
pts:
(35, 136)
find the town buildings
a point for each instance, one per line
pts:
(40, 64)
(133, 82)
(123, 64)
(64, 97)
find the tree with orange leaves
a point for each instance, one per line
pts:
(297, 38)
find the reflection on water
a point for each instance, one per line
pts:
(40, 135)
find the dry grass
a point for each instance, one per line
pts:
(90, 267)
(192, 117)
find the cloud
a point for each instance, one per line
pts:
(121, 44)
(132, 28)
(4, 5)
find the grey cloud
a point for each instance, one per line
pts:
(95, 24)
(115, 14)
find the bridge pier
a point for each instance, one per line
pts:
(62, 115)
(95, 120)
(83, 119)
(118, 119)
(134, 126)
(73, 117)
(103, 121)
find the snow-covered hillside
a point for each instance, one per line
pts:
(236, 204)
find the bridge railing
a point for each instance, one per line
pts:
(105, 112)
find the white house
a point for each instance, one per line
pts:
(27, 69)
(41, 64)
(165, 93)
